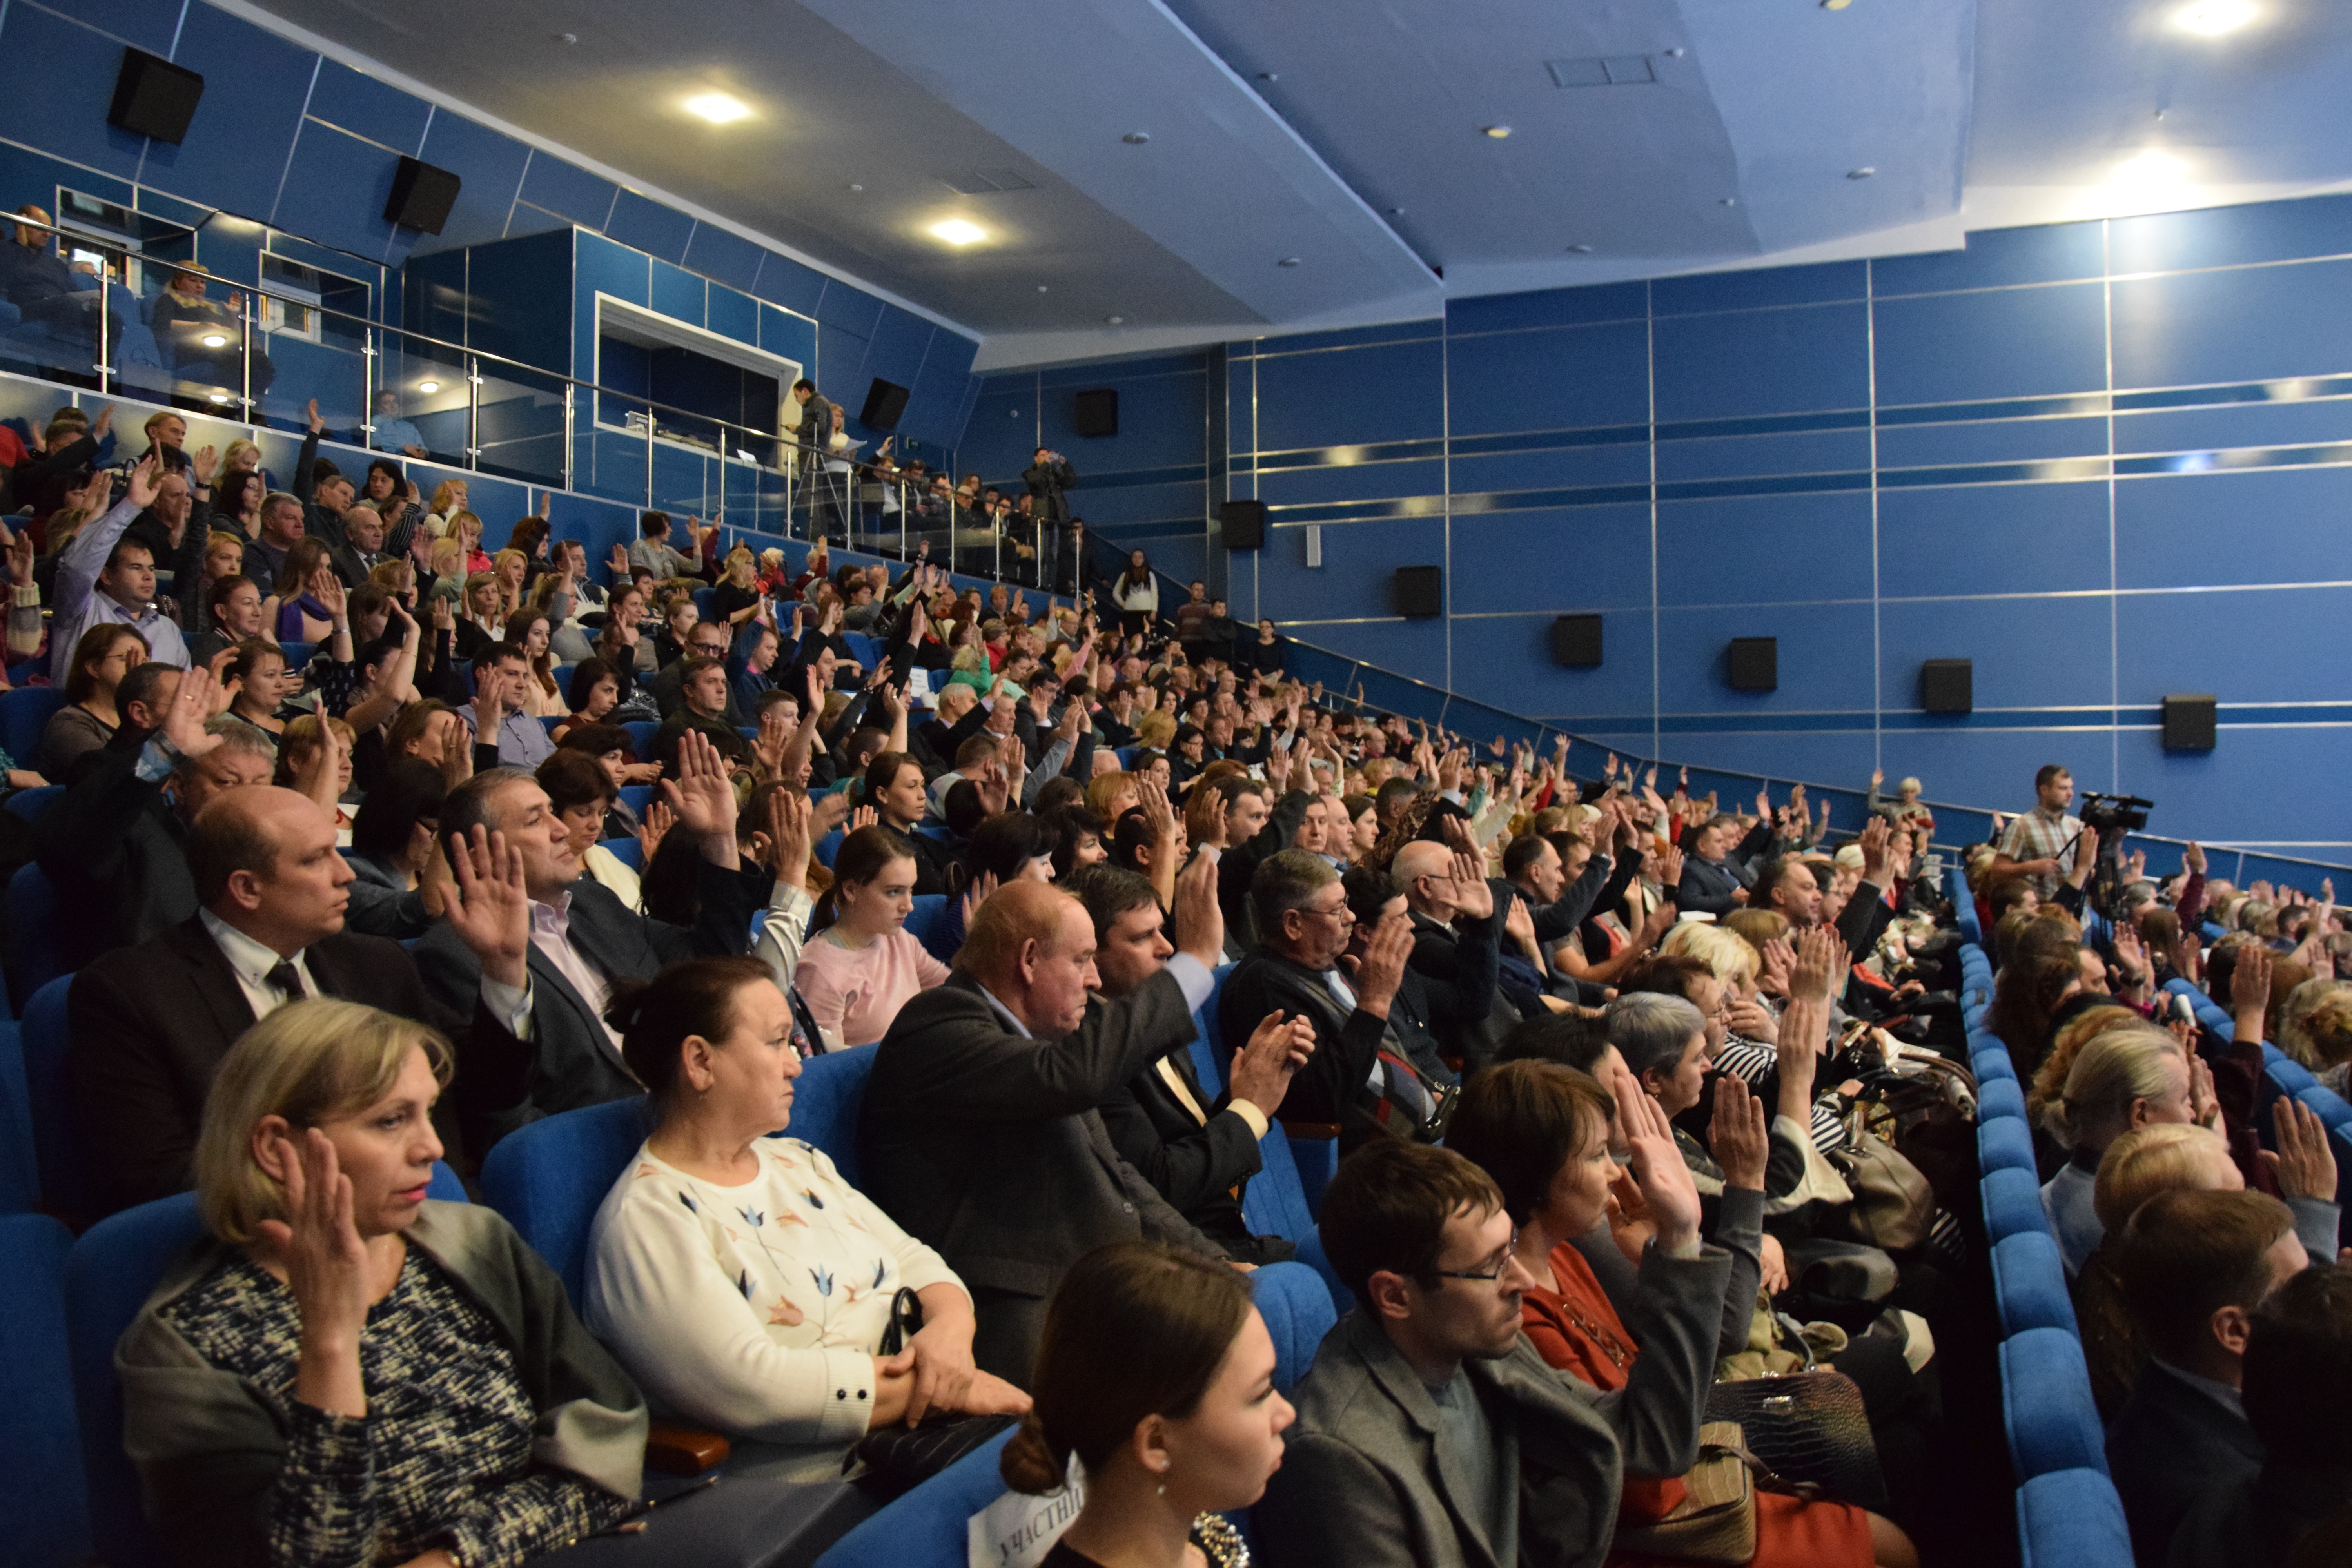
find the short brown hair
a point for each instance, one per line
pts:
(1386, 1208)
(573, 778)
(2187, 1254)
(1013, 916)
(1523, 1120)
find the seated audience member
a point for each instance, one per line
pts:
(114, 845)
(1431, 1431)
(703, 639)
(2297, 1511)
(1157, 1372)
(2194, 1267)
(979, 1131)
(895, 789)
(1198, 1149)
(2124, 1079)
(107, 652)
(560, 942)
(260, 684)
(232, 608)
(103, 577)
(399, 873)
(1457, 930)
(1544, 1132)
(150, 1023)
(581, 793)
(734, 1326)
(344, 1370)
(500, 710)
(862, 964)
(704, 713)
(1361, 1075)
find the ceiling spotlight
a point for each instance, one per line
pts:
(1498, 131)
(1675, 54)
(218, 396)
(1862, 174)
(957, 232)
(1728, 202)
(214, 340)
(2212, 19)
(1136, 138)
(853, 189)
(718, 108)
(1116, 321)
(567, 38)
(1287, 261)
(1267, 76)
(428, 386)
(1041, 287)
(2148, 170)
(1835, 5)
(1396, 211)
(1581, 249)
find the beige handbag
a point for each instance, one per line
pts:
(1716, 1522)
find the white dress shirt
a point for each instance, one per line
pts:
(251, 963)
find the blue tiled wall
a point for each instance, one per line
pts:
(287, 139)
(2104, 460)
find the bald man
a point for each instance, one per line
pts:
(979, 1132)
(1457, 931)
(150, 1023)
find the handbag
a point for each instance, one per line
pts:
(898, 1458)
(1808, 1427)
(1894, 1207)
(1716, 1520)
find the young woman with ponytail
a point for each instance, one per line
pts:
(860, 964)
(1158, 1373)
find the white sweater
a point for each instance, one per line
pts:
(758, 1309)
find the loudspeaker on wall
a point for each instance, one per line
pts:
(422, 196)
(2190, 722)
(1947, 686)
(1244, 523)
(885, 404)
(1754, 664)
(1420, 591)
(1095, 412)
(153, 96)
(1576, 641)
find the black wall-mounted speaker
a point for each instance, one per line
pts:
(1420, 591)
(1095, 412)
(1576, 641)
(886, 404)
(422, 196)
(1947, 686)
(2190, 722)
(1244, 523)
(1754, 664)
(153, 96)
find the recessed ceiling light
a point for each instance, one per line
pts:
(1116, 321)
(1498, 131)
(2151, 170)
(1041, 287)
(1728, 202)
(855, 189)
(958, 232)
(219, 396)
(718, 108)
(1136, 138)
(1581, 249)
(567, 38)
(214, 340)
(428, 386)
(1835, 5)
(2212, 19)
(1862, 174)
(1287, 261)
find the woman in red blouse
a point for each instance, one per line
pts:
(1545, 1131)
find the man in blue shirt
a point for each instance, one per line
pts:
(391, 433)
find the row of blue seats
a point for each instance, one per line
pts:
(2067, 1509)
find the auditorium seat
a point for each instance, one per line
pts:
(2012, 1205)
(2004, 1141)
(930, 1527)
(33, 956)
(29, 804)
(42, 1493)
(641, 737)
(927, 923)
(2052, 1423)
(637, 798)
(68, 1187)
(25, 713)
(20, 1173)
(629, 852)
(2072, 1519)
(2000, 1097)
(2029, 1282)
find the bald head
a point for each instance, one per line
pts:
(1032, 946)
(1424, 871)
(265, 862)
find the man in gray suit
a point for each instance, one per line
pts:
(1430, 1433)
(979, 1132)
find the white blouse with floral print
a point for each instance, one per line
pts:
(756, 1310)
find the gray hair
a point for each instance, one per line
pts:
(1649, 1029)
(468, 805)
(1286, 880)
(236, 735)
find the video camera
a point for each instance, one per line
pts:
(2112, 813)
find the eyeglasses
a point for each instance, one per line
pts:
(1484, 1275)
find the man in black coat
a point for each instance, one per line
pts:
(1363, 1076)
(1456, 948)
(1050, 478)
(979, 1131)
(149, 1024)
(540, 947)
(1198, 1149)
(114, 846)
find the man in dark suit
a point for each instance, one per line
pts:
(540, 946)
(1456, 948)
(1050, 478)
(1196, 1147)
(2195, 1265)
(150, 1023)
(979, 1132)
(114, 845)
(1363, 1076)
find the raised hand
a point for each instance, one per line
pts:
(1737, 1137)
(317, 421)
(490, 908)
(1665, 1182)
(1778, 962)
(2303, 1164)
(1473, 894)
(1822, 962)
(2194, 857)
(982, 886)
(146, 478)
(1263, 1067)
(1872, 840)
(193, 706)
(788, 837)
(1198, 919)
(327, 1269)
(205, 462)
(703, 797)
(2249, 989)
(1382, 969)
(657, 821)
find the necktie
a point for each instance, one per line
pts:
(288, 983)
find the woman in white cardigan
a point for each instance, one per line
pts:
(741, 1279)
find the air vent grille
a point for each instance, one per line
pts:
(1604, 70)
(986, 182)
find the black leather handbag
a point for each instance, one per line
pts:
(900, 1459)
(1808, 1427)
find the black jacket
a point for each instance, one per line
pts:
(115, 849)
(1458, 965)
(2169, 1447)
(1047, 482)
(150, 1025)
(1335, 1084)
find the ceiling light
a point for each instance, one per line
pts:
(855, 189)
(214, 340)
(1581, 249)
(1116, 321)
(1862, 174)
(219, 396)
(1287, 261)
(957, 232)
(2151, 170)
(1727, 201)
(428, 386)
(2212, 19)
(1041, 287)
(1835, 5)
(718, 108)
(1136, 138)
(1498, 131)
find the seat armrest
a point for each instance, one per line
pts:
(684, 1451)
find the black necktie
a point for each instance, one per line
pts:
(289, 984)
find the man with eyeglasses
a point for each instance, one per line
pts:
(1362, 1077)
(1430, 1431)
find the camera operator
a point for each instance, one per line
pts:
(2039, 844)
(1050, 478)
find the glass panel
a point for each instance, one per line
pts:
(421, 399)
(519, 424)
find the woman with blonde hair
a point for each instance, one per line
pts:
(449, 500)
(347, 1371)
(737, 597)
(2121, 1079)
(466, 530)
(509, 567)
(2078, 1031)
